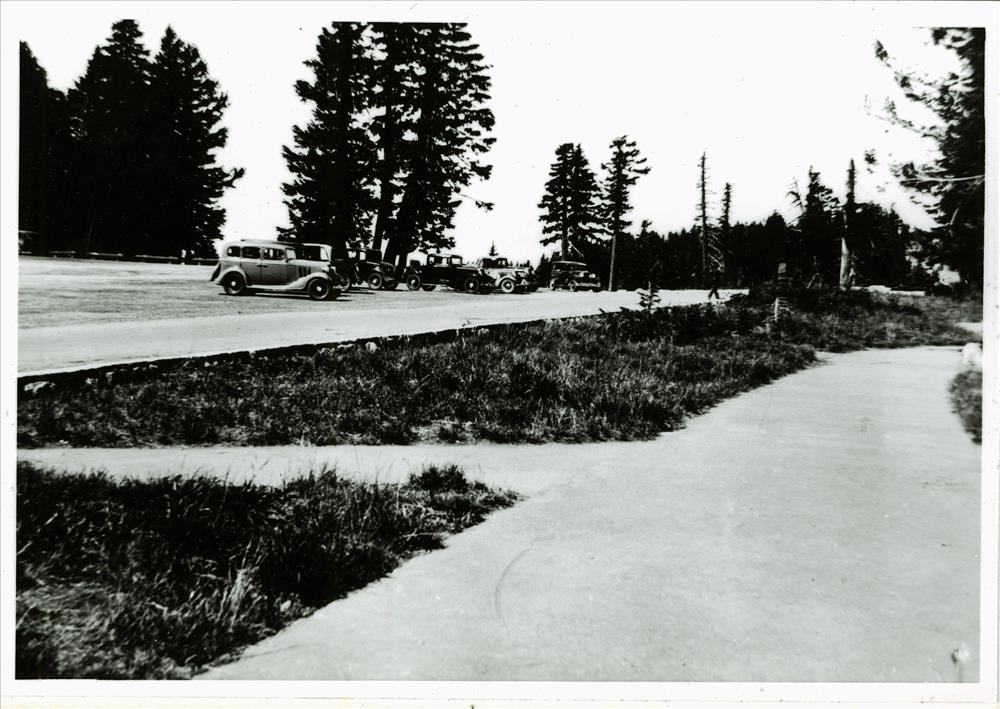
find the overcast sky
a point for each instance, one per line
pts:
(766, 90)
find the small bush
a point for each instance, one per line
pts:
(967, 401)
(156, 579)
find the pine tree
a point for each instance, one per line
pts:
(331, 199)
(32, 150)
(570, 203)
(816, 242)
(493, 249)
(623, 170)
(725, 228)
(187, 109)
(450, 138)
(110, 107)
(395, 45)
(647, 261)
(953, 183)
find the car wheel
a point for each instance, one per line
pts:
(572, 286)
(319, 289)
(507, 286)
(413, 283)
(375, 281)
(234, 284)
(428, 288)
(470, 284)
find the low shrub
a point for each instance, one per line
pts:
(158, 578)
(967, 401)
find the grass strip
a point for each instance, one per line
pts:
(621, 376)
(130, 579)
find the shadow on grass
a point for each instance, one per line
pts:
(156, 579)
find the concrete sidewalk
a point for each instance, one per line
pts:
(823, 528)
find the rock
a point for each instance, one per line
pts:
(972, 356)
(371, 347)
(35, 387)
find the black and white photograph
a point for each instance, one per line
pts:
(499, 353)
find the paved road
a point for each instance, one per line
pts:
(75, 314)
(822, 528)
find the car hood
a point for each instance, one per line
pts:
(507, 271)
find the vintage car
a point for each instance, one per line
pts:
(573, 275)
(510, 279)
(260, 265)
(367, 266)
(447, 270)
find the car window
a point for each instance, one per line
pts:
(233, 251)
(270, 254)
(251, 252)
(290, 253)
(456, 260)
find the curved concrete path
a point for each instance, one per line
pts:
(822, 528)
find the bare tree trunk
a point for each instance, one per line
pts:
(614, 248)
(846, 259)
(702, 187)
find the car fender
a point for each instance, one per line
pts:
(221, 274)
(301, 283)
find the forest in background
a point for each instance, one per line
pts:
(400, 127)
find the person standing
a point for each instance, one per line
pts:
(713, 282)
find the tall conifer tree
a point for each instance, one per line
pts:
(187, 109)
(331, 199)
(397, 78)
(622, 171)
(571, 201)
(110, 106)
(32, 148)
(952, 184)
(450, 137)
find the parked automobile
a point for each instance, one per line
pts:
(574, 276)
(259, 265)
(509, 279)
(367, 266)
(447, 270)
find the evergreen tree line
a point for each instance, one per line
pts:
(828, 242)
(714, 249)
(398, 131)
(124, 161)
